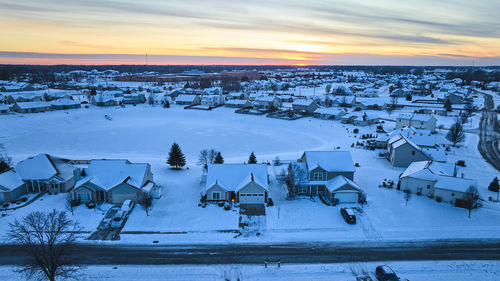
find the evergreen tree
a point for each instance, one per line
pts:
(176, 157)
(495, 187)
(252, 159)
(456, 133)
(219, 159)
(447, 105)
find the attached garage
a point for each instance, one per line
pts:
(11, 186)
(123, 192)
(346, 197)
(252, 198)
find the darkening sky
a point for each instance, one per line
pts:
(418, 32)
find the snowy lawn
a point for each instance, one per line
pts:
(414, 271)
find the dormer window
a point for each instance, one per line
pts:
(318, 176)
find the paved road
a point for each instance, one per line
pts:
(488, 138)
(287, 253)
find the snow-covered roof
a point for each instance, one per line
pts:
(233, 177)
(332, 161)
(108, 173)
(10, 180)
(64, 102)
(416, 117)
(33, 104)
(302, 102)
(38, 167)
(417, 136)
(429, 170)
(454, 183)
(186, 98)
(329, 110)
(337, 182)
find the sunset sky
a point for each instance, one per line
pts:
(425, 32)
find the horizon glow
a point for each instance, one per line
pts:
(449, 32)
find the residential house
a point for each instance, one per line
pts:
(418, 121)
(435, 180)
(188, 99)
(31, 107)
(11, 186)
(305, 107)
(106, 100)
(134, 98)
(4, 109)
(402, 152)
(267, 103)
(212, 100)
(238, 103)
(329, 113)
(364, 119)
(114, 181)
(64, 103)
(454, 97)
(326, 173)
(422, 138)
(47, 173)
(243, 183)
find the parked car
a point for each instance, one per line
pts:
(117, 220)
(385, 273)
(127, 206)
(348, 215)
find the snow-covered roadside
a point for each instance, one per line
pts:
(414, 271)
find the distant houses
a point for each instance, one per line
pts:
(418, 121)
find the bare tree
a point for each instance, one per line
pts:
(297, 176)
(203, 157)
(471, 197)
(146, 201)
(407, 196)
(49, 239)
(212, 153)
(5, 160)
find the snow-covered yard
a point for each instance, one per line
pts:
(414, 271)
(145, 134)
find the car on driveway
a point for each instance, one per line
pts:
(348, 215)
(118, 218)
(127, 206)
(385, 273)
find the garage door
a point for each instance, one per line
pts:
(346, 197)
(252, 198)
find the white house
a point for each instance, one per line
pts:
(187, 99)
(329, 113)
(418, 121)
(402, 152)
(212, 100)
(243, 183)
(435, 180)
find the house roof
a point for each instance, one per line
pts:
(331, 161)
(339, 181)
(186, 98)
(10, 180)
(416, 117)
(429, 170)
(64, 101)
(233, 177)
(454, 183)
(329, 110)
(417, 136)
(38, 167)
(32, 104)
(108, 173)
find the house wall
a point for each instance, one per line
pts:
(415, 185)
(13, 194)
(403, 157)
(252, 187)
(123, 192)
(84, 193)
(216, 188)
(448, 196)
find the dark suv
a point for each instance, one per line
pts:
(385, 273)
(348, 215)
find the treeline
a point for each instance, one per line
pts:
(474, 75)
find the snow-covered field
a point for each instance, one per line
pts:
(414, 271)
(145, 134)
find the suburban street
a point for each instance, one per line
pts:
(489, 139)
(288, 253)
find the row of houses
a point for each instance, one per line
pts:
(100, 180)
(40, 106)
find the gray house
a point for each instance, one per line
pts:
(243, 183)
(11, 186)
(306, 107)
(47, 173)
(114, 181)
(64, 103)
(188, 99)
(402, 152)
(31, 107)
(325, 173)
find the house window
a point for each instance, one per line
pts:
(216, 195)
(428, 187)
(413, 152)
(453, 194)
(318, 176)
(302, 189)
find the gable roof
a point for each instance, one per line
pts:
(10, 180)
(233, 177)
(108, 173)
(339, 181)
(331, 161)
(38, 167)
